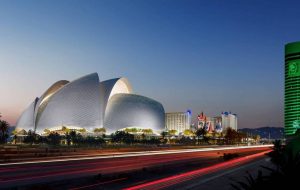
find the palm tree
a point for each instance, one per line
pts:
(73, 136)
(200, 132)
(83, 130)
(30, 138)
(172, 132)
(164, 134)
(147, 131)
(65, 130)
(188, 132)
(100, 130)
(15, 136)
(3, 131)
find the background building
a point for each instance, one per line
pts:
(229, 120)
(178, 121)
(218, 124)
(292, 88)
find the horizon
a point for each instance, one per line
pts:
(208, 57)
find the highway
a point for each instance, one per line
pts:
(65, 170)
(225, 177)
(185, 178)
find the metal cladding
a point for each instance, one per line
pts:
(44, 99)
(76, 104)
(292, 88)
(110, 87)
(88, 103)
(134, 111)
(26, 120)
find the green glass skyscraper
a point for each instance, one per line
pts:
(292, 88)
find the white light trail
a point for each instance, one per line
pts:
(140, 153)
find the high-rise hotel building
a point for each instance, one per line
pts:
(229, 120)
(292, 88)
(178, 121)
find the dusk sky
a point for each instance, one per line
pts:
(209, 56)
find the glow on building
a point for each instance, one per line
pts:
(292, 88)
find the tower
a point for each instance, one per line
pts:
(292, 88)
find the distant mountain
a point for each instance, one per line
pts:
(265, 132)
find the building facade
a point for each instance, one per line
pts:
(178, 121)
(229, 120)
(292, 88)
(87, 104)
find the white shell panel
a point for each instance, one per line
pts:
(129, 110)
(26, 120)
(76, 104)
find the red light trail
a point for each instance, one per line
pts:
(12, 175)
(169, 181)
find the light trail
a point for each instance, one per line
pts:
(140, 153)
(176, 179)
(109, 166)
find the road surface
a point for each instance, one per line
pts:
(48, 172)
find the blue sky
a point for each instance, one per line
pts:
(209, 56)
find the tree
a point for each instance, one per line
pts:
(186, 141)
(65, 129)
(30, 138)
(147, 131)
(172, 132)
(54, 138)
(3, 130)
(73, 136)
(256, 138)
(143, 136)
(286, 160)
(15, 136)
(100, 130)
(200, 133)
(122, 137)
(232, 136)
(82, 130)
(68, 139)
(131, 130)
(188, 132)
(164, 134)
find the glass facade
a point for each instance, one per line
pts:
(292, 88)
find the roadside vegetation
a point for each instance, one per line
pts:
(285, 171)
(3, 131)
(130, 136)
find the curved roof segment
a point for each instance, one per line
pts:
(44, 99)
(129, 110)
(115, 86)
(88, 103)
(26, 120)
(110, 87)
(76, 104)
